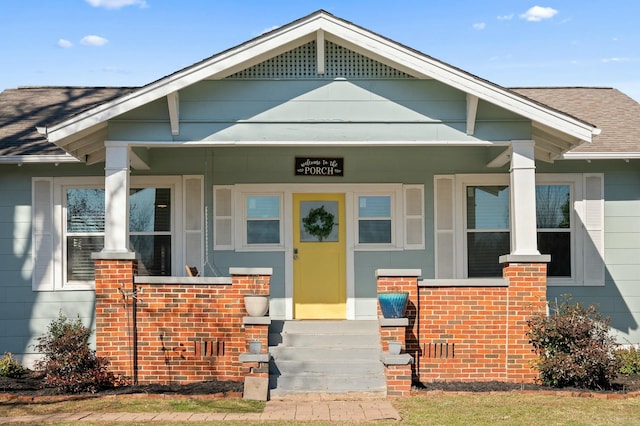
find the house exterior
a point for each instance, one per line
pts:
(325, 152)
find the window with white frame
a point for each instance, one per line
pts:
(263, 220)
(487, 229)
(64, 261)
(150, 230)
(481, 228)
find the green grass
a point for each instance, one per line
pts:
(517, 409)
(428, 409)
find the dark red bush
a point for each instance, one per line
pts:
(69, 364)
(575, 347)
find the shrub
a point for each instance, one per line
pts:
(10, 367)
(69, 364)
(574, 347)
(629, 359)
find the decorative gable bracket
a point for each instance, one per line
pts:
(173, 101)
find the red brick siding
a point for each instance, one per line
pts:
(472, 333)
(185, 332)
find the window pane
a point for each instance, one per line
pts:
(488, 207)
(80, 266)
(154, 252)
(85, 210)
(150, 210)
(374, 232)
(558, 245)
(374, 206)
(484, 249)
(553, 205)
(263, 207)
(263, 232)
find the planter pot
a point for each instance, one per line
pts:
(255, 347)
(256, 305)
(395, 347)
(393, 305)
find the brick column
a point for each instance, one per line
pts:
(114, 326)
(526, 296)
(403, 280)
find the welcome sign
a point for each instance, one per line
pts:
(306, 166)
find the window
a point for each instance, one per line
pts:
(149, 230)
(487, 229)
(374, 219)
(569, 216)
(553, 217)
(68, 226)
(85, 230)
(262, 215)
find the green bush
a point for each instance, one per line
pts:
(69, 364)
(10, 367)
(574, 347)
(629, 359)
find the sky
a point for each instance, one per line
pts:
(512, 43)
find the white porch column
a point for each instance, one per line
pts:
(523, 199)
(116, 193)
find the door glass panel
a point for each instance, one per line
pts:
(318, 221)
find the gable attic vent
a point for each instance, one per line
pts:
(301, 63)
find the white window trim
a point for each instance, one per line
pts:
(240, 192)
(59, 222)
(578, 233)
(240, 201)
(397, 231)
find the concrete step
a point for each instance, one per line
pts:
(315, 357)
(325, 353)
(320, 383)
(358, 367)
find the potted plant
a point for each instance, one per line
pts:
(256, 304)
(393, 304)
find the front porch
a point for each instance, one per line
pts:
(179, 330)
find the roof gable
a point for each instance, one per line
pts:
(318, 27)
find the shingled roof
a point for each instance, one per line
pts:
(25, 108)
(616, 114)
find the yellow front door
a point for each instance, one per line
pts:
(319, 266)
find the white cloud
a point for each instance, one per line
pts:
(117, 4)
(505, 17)
(93, 40)
(615, 59)
(479, 26)
(65, 43)
(538, 13)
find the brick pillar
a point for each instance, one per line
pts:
(398, 380)
(113, 311)
(403, 280)
(526, 296)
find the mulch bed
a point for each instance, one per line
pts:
(622, 385)
(31, 386)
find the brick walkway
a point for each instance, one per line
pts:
(347, 411)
